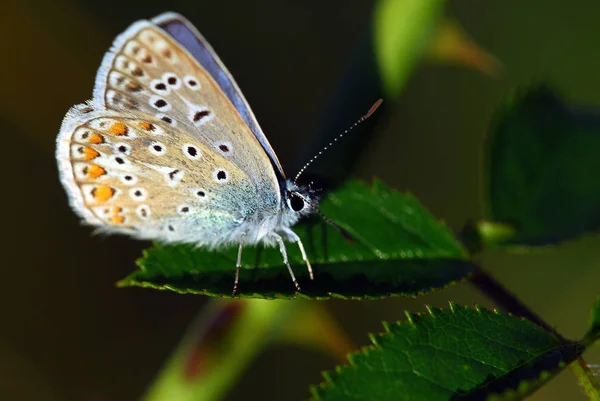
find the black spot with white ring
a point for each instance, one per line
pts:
(138, 194)
(172, 80)
(157, 148)
(120, 160)
(224, 148)
(167, 119)
(122, 148)
(128, 179)
(191, 82)
(191, 151)
(220, 176)
(160, 87)
(199, 115)
(159, 103)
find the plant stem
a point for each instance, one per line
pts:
(584, 375)
(212, 356)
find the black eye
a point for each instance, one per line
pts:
(296, 203)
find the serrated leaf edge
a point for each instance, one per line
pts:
(131, 282)
(412, 318)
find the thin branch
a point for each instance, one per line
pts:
(581, 369)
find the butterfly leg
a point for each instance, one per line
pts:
(285, 258)
(294, 237)
(238, 264)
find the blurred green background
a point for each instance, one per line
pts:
(68, 333)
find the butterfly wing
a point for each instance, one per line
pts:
(188, 37)
(161, 152)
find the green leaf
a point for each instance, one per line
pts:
(399, 249)
(456, 354)
(542, 169)
(402, 32)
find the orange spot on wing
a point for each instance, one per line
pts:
(96, 138)
(94, 171)
(103, 193)
(118, 128)
(116, 219)
(146, 126)
(90, 154)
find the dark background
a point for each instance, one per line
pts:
(68, 334)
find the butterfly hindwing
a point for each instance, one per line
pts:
(139, 176)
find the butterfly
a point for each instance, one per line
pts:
(168, 149)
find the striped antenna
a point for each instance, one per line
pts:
(360, 120)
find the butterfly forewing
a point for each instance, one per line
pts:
(186, 34)
(148, 71)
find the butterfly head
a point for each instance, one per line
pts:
(300, 200)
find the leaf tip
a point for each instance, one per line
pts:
(123, 283)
